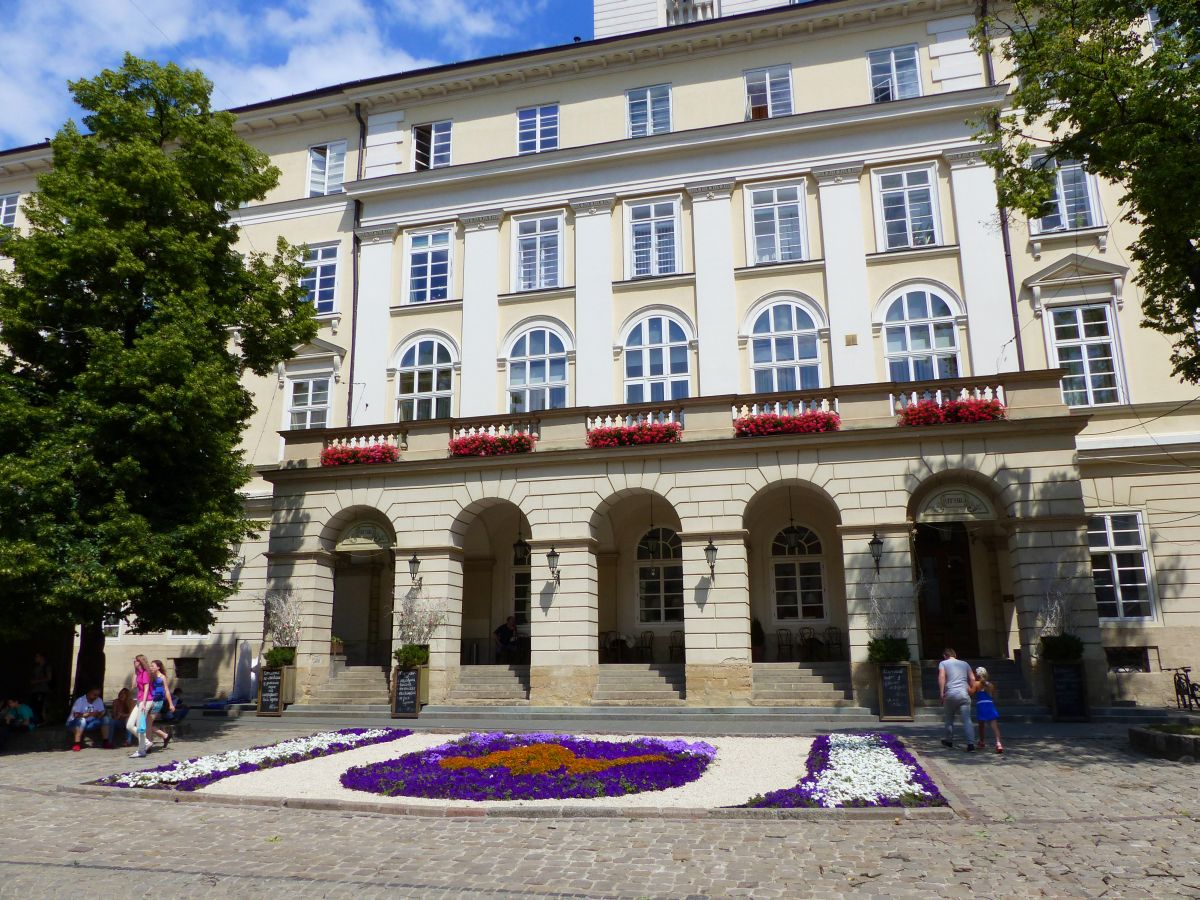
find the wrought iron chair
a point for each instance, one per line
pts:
(675, 646)
(645, 646)
(833, 642)
(783, 644)
(608, 648)
(809, 645)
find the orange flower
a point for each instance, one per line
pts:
(537, 759)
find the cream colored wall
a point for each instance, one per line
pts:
(288, 149)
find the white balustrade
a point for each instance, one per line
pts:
(392, 436)
(791, 407)
(897, 403)
(681, 12)
(498, 428)
(618, 419)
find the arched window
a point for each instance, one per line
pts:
(425, 381)
(660, 577)
(920, 337)
(797, 575)
(537, 372)
(784, 352)
(656, 361)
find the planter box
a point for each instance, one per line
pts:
(1067, 683)
(1164, 745)
(492, 444)
(930, 412)
(368, 454)
(813, 422)
(635, 435)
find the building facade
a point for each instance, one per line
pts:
(715, 209)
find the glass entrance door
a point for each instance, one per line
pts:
(947, 596)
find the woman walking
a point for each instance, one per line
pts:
(142, 695)
(160, 695)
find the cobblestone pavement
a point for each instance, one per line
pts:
(1065, 813)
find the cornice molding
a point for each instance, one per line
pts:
(377, 234)
(482, 221)
(964, 157)
(838, 174)
(591, 206)
(718, 189)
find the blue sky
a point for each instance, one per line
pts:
(253, 50)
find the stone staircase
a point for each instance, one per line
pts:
(810, 684)
(639, 684)
(490, 685)
(356, 689)
(1011, 688)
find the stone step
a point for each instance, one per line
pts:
(632, 681)
(635, 702)
(648, 696)
(810, 703)
(814, 694)
(800, 682)
(301, 709)
(483, 693)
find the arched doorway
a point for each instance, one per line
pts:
(496, 584)
(363, 578)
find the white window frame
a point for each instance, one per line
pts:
(667, 379)
(768, 73)
(289, 387)
(1111, 550)
(819, 329)
(1096, 213)
(662, 565)
(928, 322)
(797, 560)
(894, 84)
(676, 201)
(881, 244)
(546, 384)
(8, 210)
(545, 118)
(648, 99)
(437, 130)
(749, 207)
(523, 616)
(1114, 338)
(314, 269)
(185, 635)
(434, 393)
(330, 147)
(559, 218)
(406, 287)
(107, 622)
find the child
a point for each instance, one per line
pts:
(985, 708)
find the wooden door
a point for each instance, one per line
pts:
(947, 599)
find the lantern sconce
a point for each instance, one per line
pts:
(552, 561)
(876, 545)
(414, 566)
(710, 557)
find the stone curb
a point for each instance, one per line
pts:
(539, 812)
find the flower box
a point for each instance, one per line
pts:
(353, 455)
(930, 412)
(813, 422)
(491, 444)
(634, 435)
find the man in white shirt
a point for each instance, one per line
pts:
(88, 714)
(956, 679)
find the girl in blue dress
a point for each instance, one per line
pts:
(985, 708)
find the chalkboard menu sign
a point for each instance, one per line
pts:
(406, 694)
(270, 692)
(895, 693)
(1068, 692)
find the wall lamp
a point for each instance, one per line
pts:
(414, 566)
(552, 561)
(710, 557)
(876, 545)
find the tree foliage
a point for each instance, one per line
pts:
(129, 318)
(1096, 82)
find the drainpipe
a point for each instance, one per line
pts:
(989, 77)
(355, 249)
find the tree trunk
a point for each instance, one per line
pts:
(89, 664)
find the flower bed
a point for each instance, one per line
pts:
(534, 767)
(193, 774)
(350, 455)
(491, 444)
(812, 422)
(930, 412)
(634, 435)
(857, 770)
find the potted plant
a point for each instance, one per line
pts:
(282, 612)
(758, 640)
(416, 623)
(337, 646)
(1067, 682)
(889, 620)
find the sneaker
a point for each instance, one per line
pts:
(108, 745)
(999, 749)
(75, 748)
(137, 755)
(946, 743)
(970, 748)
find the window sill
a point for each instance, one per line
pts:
(909, 252)
(1130, 622)
(555, 293)
(406, 309)
(1099, 233)
(654, 281)
(775, 268)
(332, 319)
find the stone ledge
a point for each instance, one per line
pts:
(1180, 747)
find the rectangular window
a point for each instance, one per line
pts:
(769, 92)
(778, 224)
(906, 201)
(1085, 346)
(653, 238)
(308, 404)
(429, 267)
(431, 146)
(111, 626)
(537, 128)
(187, 666)
(320, 277)
(1119, 566)
(649, 110)
(799, 590)
(895, 74)
(326, 168)
(538, 242)
(1073, 204)
(8, 210)
(522, 591)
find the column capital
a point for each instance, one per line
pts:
(483, 220)
(593, 205)
(717, 189)
(839, 174)
(963, 157)
(376, 234)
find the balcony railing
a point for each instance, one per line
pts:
(681, 12)
(1027, 395)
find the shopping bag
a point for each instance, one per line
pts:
(131, 724)
(141, 724)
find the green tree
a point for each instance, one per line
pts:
(1115, 85)
(129, 319)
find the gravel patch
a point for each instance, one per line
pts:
(744, 766)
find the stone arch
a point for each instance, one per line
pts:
(980, 501)
(335, 528)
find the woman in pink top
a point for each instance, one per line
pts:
(142, 693)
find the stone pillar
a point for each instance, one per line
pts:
(846, 287)
(441, 577)
(593, 301)
(564, 624)
(716, 610)
(716, 312)
(309, 576)
(480, 314)
(892, 585)
(981, 256)
(371, 404)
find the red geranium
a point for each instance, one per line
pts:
(631, 435)
(349, 455)
(812, 422)
(930, 412)
(491, 444)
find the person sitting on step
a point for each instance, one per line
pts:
(506, 640)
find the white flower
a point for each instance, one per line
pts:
(861, 768)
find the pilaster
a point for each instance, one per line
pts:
(594, 375)
(716, 313)
(441, 576)
(372, 330)
(480, 395)
(717, 619)
(564, 624)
